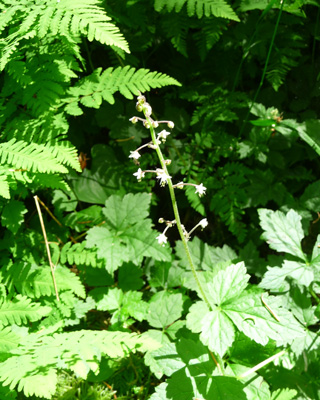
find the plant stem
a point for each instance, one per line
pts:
(262, 364)
(36, 199)
(176, 213)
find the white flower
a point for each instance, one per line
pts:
(139, 174)
(203, 223)
(200, 189)
(163, 135)
(170, 125)
(163, 176)
(135, 154)
(162, 239)
(155, 124)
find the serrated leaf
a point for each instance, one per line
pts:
(12, 215)
(274, 278)
(164, 309)
(127, 235)
(193, 372)
(283, 232)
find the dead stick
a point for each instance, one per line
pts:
(36, 199)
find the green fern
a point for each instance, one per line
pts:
(78, 254)
(34, 364)
(36, 281)
(29, 156)
(21, 310)
(99, 86)
(218, 8)
(65, 18)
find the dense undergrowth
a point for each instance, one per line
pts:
(100, 300)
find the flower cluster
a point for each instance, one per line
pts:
(162, 174)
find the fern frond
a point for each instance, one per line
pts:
(209, 34)
(67, 18)
(99, 86)
(78, 254)
(218, 8)
(32, 157)
(21, 310)
(8, 340)
(33, 365)
(36, 281)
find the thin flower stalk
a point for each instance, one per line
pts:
(175, 208)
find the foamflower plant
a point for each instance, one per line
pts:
(165, 179)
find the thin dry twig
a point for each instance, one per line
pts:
(269, 309)
(36, 199)
(49, 212)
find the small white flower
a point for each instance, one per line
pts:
(134, 120)
(163, 135)
(139, 174)
(203, 223)
(170, 125)
(147, 110)
(155, 124)
(163, 176)
(167, 162)
(135, 154)
(162, 239)
(200, 189)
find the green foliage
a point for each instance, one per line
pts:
(131, 320)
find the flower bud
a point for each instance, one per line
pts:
(155, 124)
(146, 124)
(138, 107)
(170, 125)
(167, 162)
(161, 220)
(134, 120)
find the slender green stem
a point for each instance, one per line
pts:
(176, 212)
(261, 365)
(264, 72)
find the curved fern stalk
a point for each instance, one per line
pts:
(65, 18)
(218, 8)
(99, 86)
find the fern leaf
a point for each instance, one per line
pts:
(32, 157)
(217, 8)
(21, 310)
(4, 187)
(36, 281)
(8, 340)
(102, 85)
(78, 254)
(33, 366)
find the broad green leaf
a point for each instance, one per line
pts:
(283, 232)
(255, 386)
(127, 236)
(227, 284)
(165, 308)
(12, 215)
(128, 210)
(129, 277)
(309, 132)
(204, 256)
(251, 317)
(274, 278)
(310, 198)
(283, 394)
(217, 332)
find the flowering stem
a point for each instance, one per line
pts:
(176, 211)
